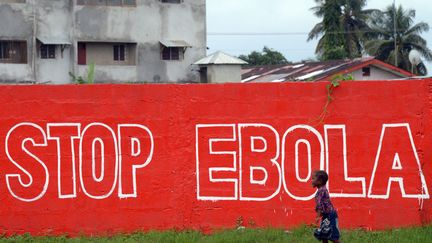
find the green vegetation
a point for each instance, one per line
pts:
(90, 76)
(330, 46)
(302, 234)
(334, 83)
(268, 56)
(408, 37)
(343, 29)
(347, 30)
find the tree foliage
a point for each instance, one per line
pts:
(347, 30)
(342, 29)
(268, 56)
(408, 37)
(333, 38)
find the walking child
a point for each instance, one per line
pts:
(325, 211)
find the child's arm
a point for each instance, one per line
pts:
(319, 206)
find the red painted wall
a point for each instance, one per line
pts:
(212, 156)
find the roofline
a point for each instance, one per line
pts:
(375, 62)
(212, 60)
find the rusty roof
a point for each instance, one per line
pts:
(314, 71)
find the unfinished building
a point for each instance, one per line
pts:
(127, 40)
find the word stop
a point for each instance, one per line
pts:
(107, 159)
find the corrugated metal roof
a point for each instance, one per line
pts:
(250, 78)
(313, 70)
(54, 40)
(220, 58)
(175, 43)
(310, 75)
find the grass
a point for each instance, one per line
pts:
(302, 234)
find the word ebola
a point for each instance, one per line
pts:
(107, 159)
(252, 162)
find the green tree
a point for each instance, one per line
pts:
(355, 26)
(268, 56)
(343, 29)
(330, 46)
(408, 37)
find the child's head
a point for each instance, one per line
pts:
(319, 178)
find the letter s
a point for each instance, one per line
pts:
(18, 140)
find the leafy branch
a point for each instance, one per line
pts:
(334, 83)
(90, 76)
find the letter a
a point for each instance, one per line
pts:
(397, 161)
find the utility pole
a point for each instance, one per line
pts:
(34, 42)
(395, 33)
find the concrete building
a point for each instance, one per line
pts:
(220, 67)
(127, 40)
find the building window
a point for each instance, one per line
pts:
(4, 50)
(82, 53)
(366, 72)
(119, 52)
(107, 53)
(129, 2)
(13, 52)
(172, 53)
(47, 51)
(172, 1)
(13, 1)
(126, 3)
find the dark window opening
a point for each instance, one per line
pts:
(172, 1)
(127, 3)
(119, 52)
(47, 51)
(203, 75)
(4, 50)
(172, 53)
(13, 1)
(82, 53)
(13, 52)
(114, 2)
(366, 71)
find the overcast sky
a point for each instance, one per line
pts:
(280, 16)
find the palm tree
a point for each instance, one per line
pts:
(355, 20)
(348, 24)
(382, 45)
(330, 45)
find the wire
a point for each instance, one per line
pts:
(256, 33)
(283, 50)
(285, 33)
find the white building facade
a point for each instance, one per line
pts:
(149, 41)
